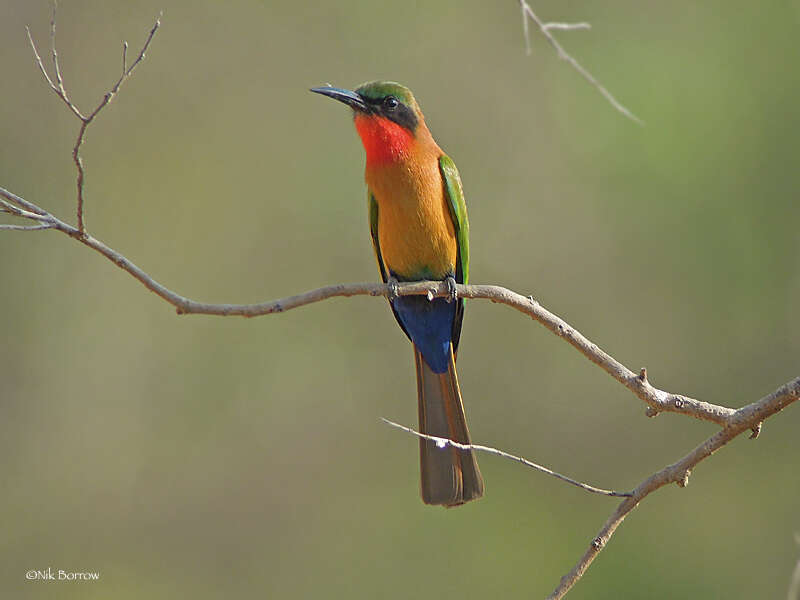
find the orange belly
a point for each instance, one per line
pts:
(415, 229)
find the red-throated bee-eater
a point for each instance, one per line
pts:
(418, 222)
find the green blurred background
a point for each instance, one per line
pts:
(211, 457)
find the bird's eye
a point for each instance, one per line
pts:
(390, 102)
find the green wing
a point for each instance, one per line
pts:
(458, 211)
(373, 230)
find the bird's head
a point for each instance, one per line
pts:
(387, 118)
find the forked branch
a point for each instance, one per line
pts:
(546, 30)
(58, 88)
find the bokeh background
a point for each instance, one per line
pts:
(211, 457)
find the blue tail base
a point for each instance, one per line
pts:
(429, 324)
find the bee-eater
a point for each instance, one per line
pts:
(419, 227)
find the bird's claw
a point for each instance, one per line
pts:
(452, 290)
(394, 291)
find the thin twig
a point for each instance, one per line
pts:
(546, 29)
(60, 91)
(444, 442)
(103, 103)
(8, 208)
(26, 227)
(109, 96)
(56, 68)
(566, 26)
(29, 206)
(21, 212)
(525, 29)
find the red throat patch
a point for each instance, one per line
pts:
(384, 141)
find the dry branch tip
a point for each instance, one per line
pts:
(545, 29)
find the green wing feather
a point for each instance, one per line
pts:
(373, 230)
(458, 211)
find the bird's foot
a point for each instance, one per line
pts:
(452, 290)
(394, 291)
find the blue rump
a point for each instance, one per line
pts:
(430, 326)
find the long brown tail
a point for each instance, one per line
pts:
(449, 476)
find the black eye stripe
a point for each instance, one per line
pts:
(399, 112)
(403, 116)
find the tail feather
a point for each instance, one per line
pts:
(449, 476)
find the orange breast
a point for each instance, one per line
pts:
(415, 230)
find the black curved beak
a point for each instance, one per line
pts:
(352, 99)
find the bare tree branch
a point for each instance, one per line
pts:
(656, 399)
(444, 442)
(53, 51)
(58, 89)
(546, 29)
(743, 419)
(61, 92)
(5, 227)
